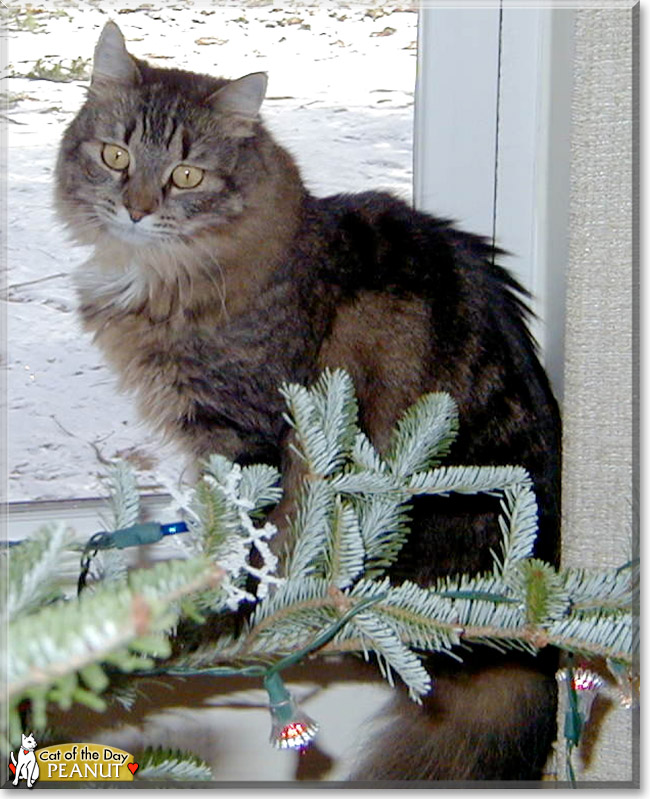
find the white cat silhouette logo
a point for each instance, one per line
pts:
(27, 766)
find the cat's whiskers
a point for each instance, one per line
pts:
(86, 227)
(183, 302)
(220, 287)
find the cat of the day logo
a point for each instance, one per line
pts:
(70, 763)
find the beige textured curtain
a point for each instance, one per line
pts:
(599, 496)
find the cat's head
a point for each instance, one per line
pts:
(28, 741)
(157, 156)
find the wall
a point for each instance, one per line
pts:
(601, 385)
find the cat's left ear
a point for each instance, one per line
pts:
(240, 101)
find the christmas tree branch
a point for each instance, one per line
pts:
(283, 615)
(536, 637)
(59, 653)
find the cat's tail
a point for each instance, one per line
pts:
(493, 723)
(13, 759)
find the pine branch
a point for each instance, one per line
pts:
(124, 501)
(518, 525)
(299, 608)
(217, 519)
(383, 523)
(345, 552)
(423, 435)
(600, 591)
(337, 411)
(309, 530)
(420, 617)
(602, 636)
(324, 420)
(171, 764)
(260, 486)
(467, 480)
(365, 457)
(392, 654)
(542, 589)
(109, 626)
(38, 568)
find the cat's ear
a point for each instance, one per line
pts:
(240, 101)
(113, 67)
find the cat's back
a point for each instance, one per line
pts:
(408, 279)
(375, 242)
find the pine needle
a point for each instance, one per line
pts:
(171, 764)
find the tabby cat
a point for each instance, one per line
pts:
(216, 276)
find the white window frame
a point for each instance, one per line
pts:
(492, 142)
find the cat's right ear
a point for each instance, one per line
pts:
(113, 67)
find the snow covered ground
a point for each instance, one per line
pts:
(340, 97)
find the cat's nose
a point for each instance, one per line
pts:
(140, 200)
(137, 214)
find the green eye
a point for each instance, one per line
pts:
(115, 157)
(187, 177)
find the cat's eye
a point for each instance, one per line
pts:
(115, 157)
(187, 177)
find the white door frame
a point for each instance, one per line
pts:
(492, 141)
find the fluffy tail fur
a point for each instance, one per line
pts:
(484, 723)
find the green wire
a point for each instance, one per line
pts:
(289, 660)
(326, 636)
(569, 765)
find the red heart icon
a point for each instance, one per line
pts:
(12, 767)
(133, 767)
